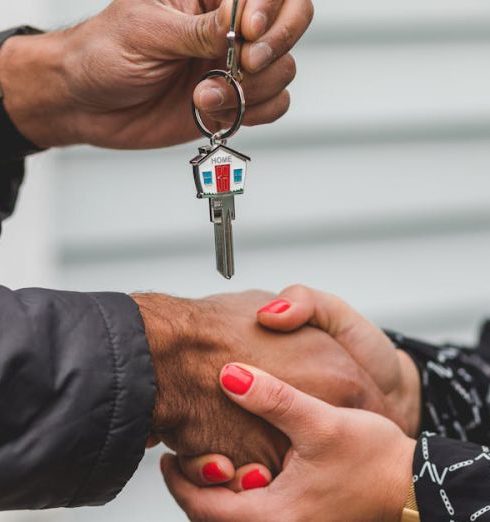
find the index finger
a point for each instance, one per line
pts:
(291, 23)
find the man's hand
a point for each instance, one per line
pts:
(392, 370)
(125, 78)
(191, 341)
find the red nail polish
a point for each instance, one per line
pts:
(253, 480)
(213, 474)
(279, 306)
(236, 380)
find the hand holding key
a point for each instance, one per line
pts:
(124, 78)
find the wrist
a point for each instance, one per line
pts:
(169, 327)
(33, 81)
(402, 480)
(410, 396)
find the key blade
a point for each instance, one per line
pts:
(225, 262)
(222, 215)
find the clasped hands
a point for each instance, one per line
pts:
(300, 422)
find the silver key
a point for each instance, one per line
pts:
(222, 211)
(220, 174)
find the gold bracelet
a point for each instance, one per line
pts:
(411, 511)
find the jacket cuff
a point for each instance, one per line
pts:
(132, 401)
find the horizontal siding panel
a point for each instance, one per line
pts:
(389, 12)
(124, 196)
(411, 284)
(333, 12)
(393, 84)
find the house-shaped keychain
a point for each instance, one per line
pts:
(219, 171)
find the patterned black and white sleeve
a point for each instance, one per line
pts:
(452, 460)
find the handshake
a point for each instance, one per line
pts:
(312, 341)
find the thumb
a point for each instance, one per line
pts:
(293, 412)
(203, 35)
(295, 307)
(365, 342)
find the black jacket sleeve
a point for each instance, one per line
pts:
(452, 460)
(14, 147)
(11, 177)
(76, 397)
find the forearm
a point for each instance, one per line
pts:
(33, 79)
(77, 391)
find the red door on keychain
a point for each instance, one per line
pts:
(223, 174)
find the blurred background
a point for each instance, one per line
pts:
(376, 186)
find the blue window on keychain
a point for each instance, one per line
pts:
(238, 175)
(208, 178)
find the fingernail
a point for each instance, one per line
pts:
(259, 23)
(253, 480)
(211, 98)
(212, 473)
(279, 306)
(236, 380)
(260, 55)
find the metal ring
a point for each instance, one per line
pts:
(222, 134)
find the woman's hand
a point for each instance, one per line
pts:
(392, 370)
(344, 465)
(125, 78)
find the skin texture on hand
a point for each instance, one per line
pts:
(190, 342)
(344, 465)
(392, 370)
(125, 78)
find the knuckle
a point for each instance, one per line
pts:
(291, 69)
(287, 38)
(300, 292)
(204, 28)
(279, 401)
(309, 11)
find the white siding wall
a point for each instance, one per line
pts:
(376, 186)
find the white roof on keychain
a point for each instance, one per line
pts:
(199, 160)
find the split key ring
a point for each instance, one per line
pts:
(223, 134)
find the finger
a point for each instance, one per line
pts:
(208, 470)
(218, 504)
(293, 412)
(216, 95)
(267, 112)
(198, 36)
(293, 308)
(258, 17)
(365, 342)
(251, 476)
(289, 26)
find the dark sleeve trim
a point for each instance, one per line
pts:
(13, 144)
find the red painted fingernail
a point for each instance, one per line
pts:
(279, 306)
(253, 480)
(236, 380)
(213, 473)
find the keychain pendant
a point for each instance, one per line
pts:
(219, 171)
(220, 174)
